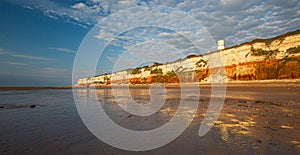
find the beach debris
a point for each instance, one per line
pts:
(33, 106)
(218, 122)
(243, 105)
(243, 132)
(286, 127)
(230, 115)
(268, 102)
(234, 120)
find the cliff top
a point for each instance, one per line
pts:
(267, 41)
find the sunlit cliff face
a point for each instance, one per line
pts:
(275, 58)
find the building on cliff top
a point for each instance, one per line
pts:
(221, 44)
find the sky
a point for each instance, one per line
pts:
(40, 40)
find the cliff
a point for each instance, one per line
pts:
(260, 59)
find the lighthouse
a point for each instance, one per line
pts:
(221, 44)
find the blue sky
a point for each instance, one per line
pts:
(39, 39)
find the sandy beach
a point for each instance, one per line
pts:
(257, 118)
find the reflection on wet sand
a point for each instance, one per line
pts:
(254, 120)
(249, 121)
(105, 124)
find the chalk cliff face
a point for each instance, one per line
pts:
(260, 59)
(276, 58)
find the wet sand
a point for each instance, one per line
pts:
(257, 118)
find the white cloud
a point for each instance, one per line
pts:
(111, 59)
(61, 49)
(236, 5)
(16, 63)
(108, 36)
(14, 54)
(3, 53)
(55, 70)
(29, 57)
(78, 6)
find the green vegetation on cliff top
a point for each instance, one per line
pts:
(293, 50)
(269, 40)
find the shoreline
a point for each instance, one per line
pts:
(252, 83)
(295, 82)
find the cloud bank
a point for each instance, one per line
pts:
(236, 21)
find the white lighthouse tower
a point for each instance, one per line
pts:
(221, 44)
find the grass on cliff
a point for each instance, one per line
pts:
(280, 37)
(201, 63)
(136, 71)
(269, 40)
(156, 71)
(269, 54)
(293, 50)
